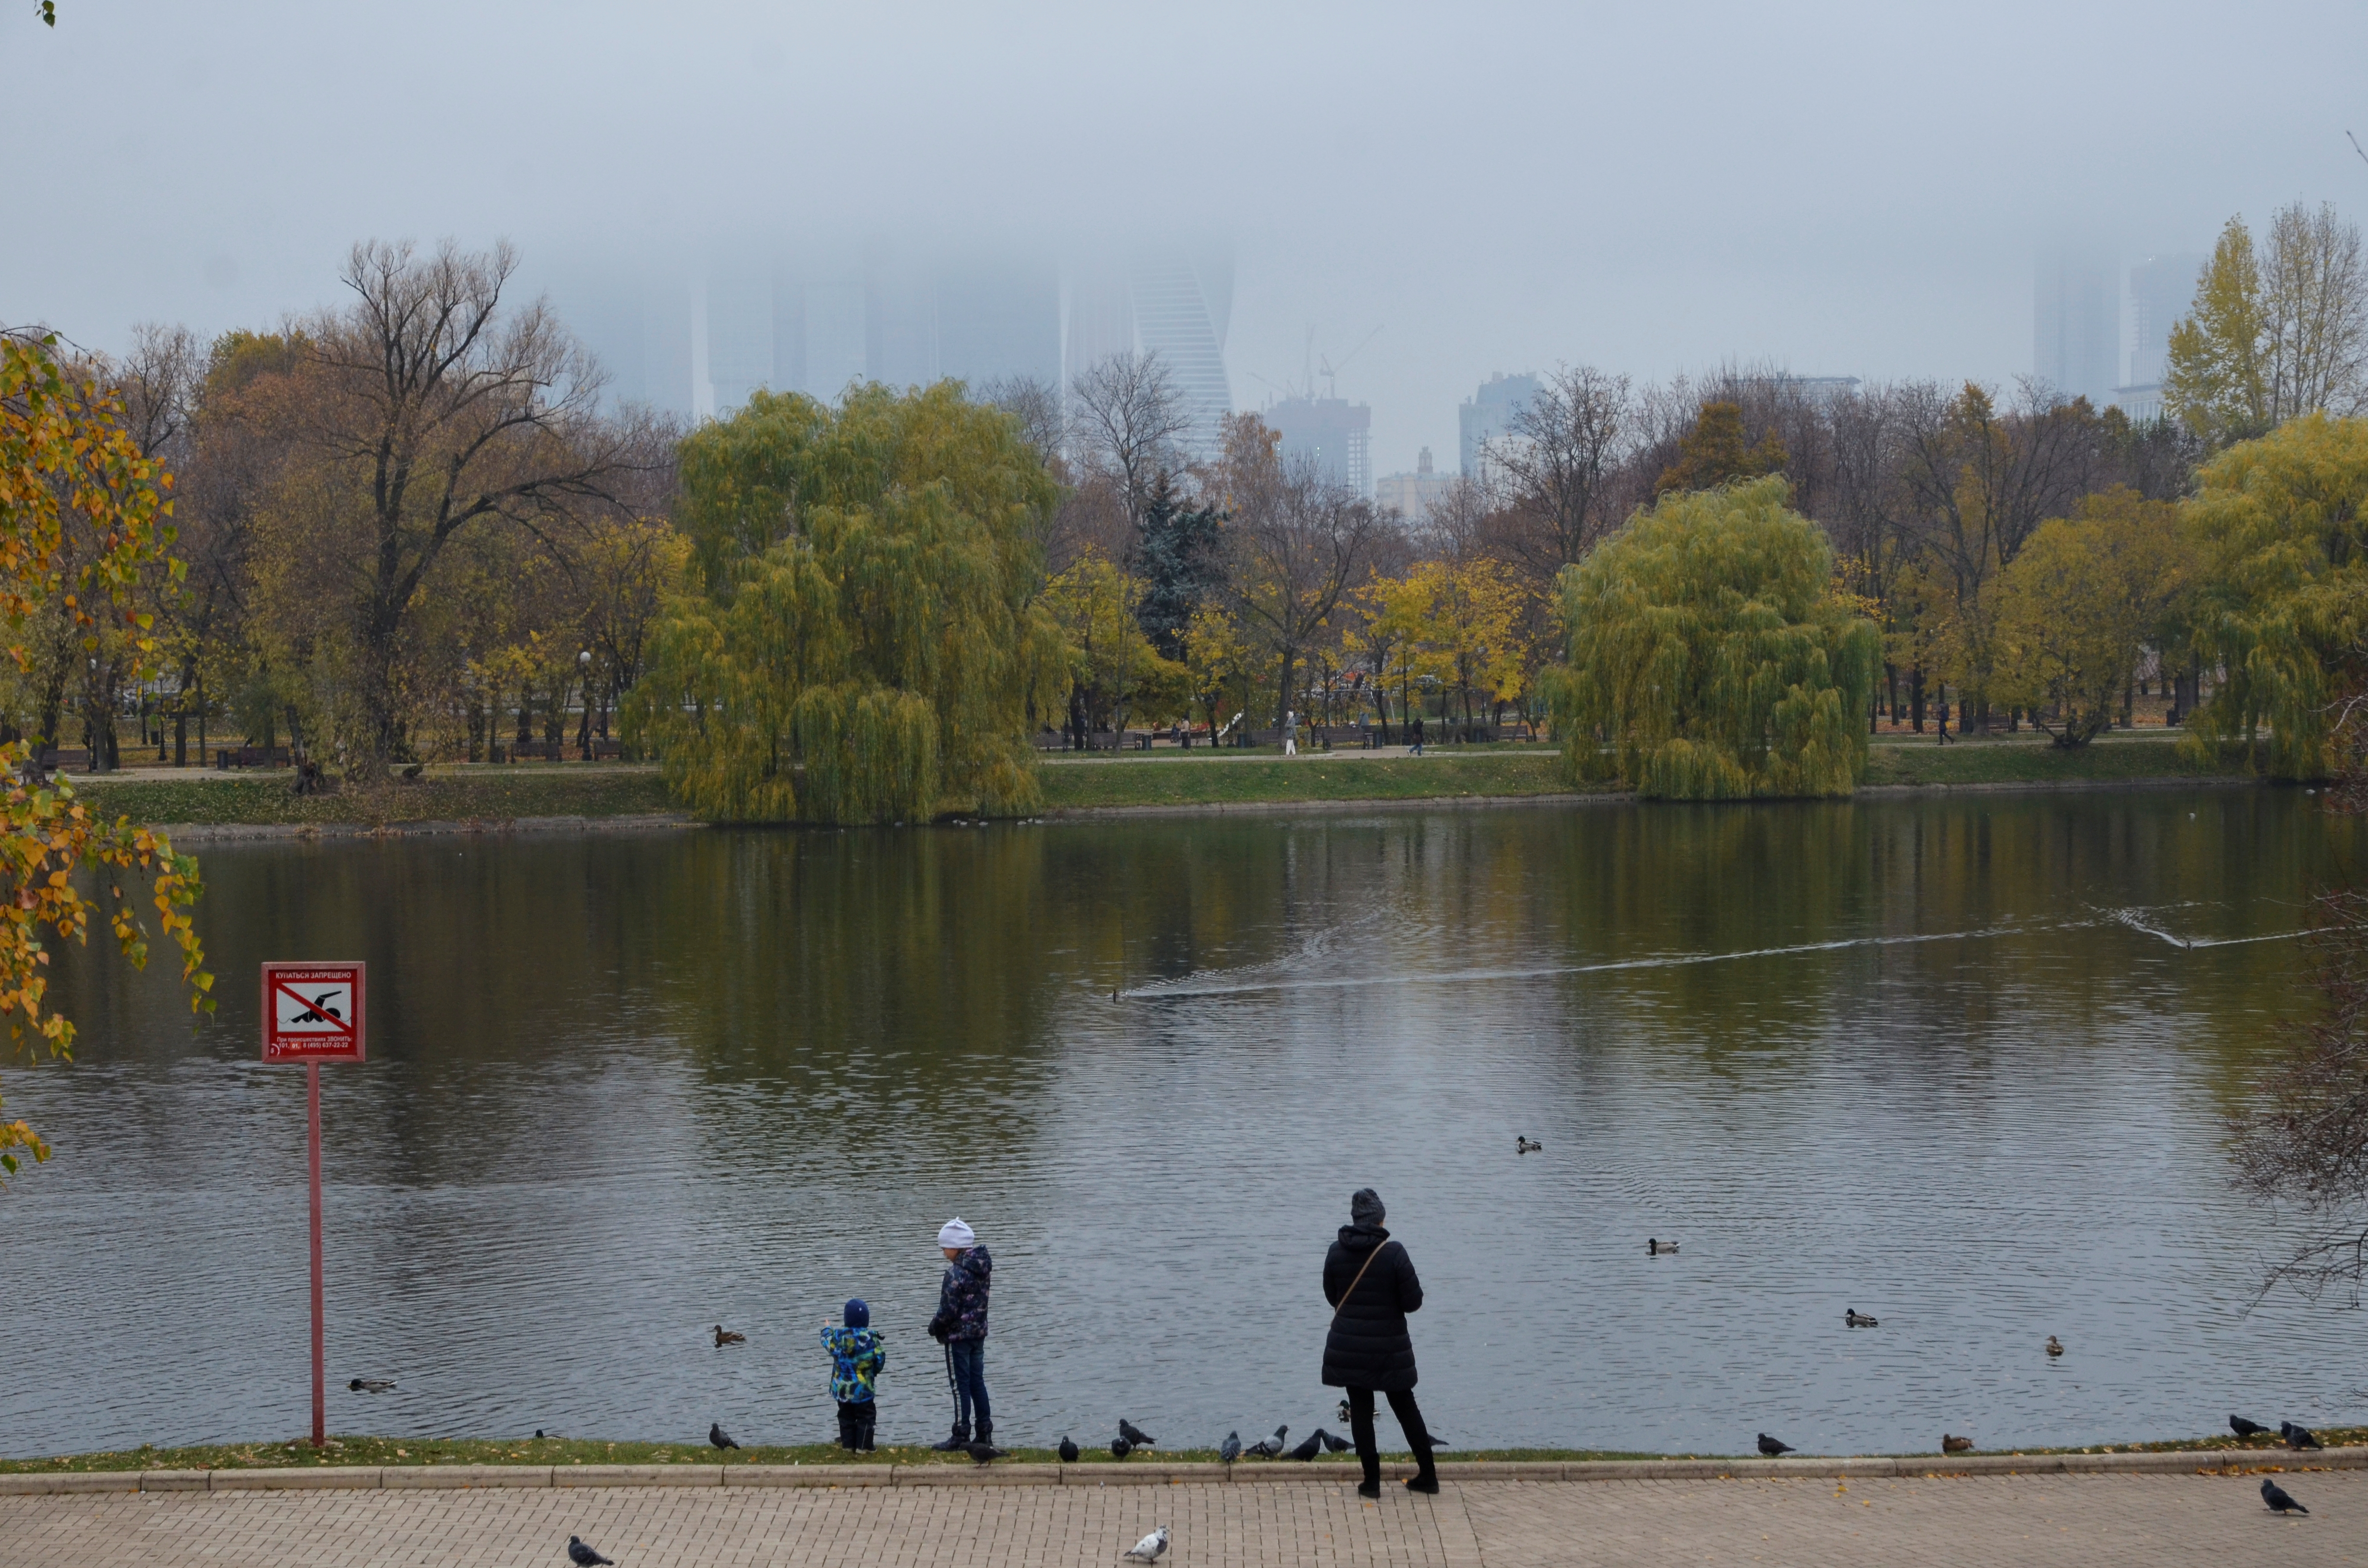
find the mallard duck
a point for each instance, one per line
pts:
(1954, 1445)
(2055, 1345)
(724, 1336)
(1852, 1318)
(1524, 1146)
(1655, 1248)
(372, 1385)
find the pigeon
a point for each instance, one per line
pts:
(2279, 1499)
(370, 1385)
(584, 1556)
(981, 1454)
(1307, 1451)
(1120, 1447)
(2055, 1345)
(2244, 1428)
(1148, 1549)
(1954, 1445)
(724, 1336)
(1851, 1318)
(1269, 1447)
(2297, 1436)
(718, 1437)
(1771, 1447)
(1523, 1146)
(1135, 1435)
(1230, 1449)
(537, 1431)
(1655, 1248)
(1068, 1451)
(1340, 1444)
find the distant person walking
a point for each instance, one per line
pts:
(1370, 1282)
(1290, 732)
(1944, 721)
(1415, 729)
(961, 1327)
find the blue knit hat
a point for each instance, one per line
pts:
(855, 1315)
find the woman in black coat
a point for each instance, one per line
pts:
(1369, 1281)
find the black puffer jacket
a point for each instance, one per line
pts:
(1368, 1347)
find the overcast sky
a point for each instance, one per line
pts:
(1846, 189)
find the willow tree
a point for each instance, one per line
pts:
(865, 641)
(1710, 658)
(2280, 527)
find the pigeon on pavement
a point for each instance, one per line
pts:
(2297, 1436)
(1135, 1435)
(2244, 1428)
(1068, 1451)
(1307, 1451)
(1771, 1447)
(584, 1556)
(370, 1385)
(1230, 1449)
(2278, 1499)
(1120, 1447)
(1148, 1549)
(718, 1437)
(981, 1454)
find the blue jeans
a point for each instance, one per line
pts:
(970, 1385)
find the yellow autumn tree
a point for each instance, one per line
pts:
(1708, 657)
(83, 516)
(2078, 607)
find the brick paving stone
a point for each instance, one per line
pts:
(2094, 1521)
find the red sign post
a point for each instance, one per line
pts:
(312, 1013)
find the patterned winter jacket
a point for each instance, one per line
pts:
(962, 1299)
(857, 1357)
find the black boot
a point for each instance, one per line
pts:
(955, 1444)
(1426, 1477)
(850, 1436)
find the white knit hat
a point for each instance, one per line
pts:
(956, 1233)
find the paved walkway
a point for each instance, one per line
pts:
(2094, 1521)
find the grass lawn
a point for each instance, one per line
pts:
(497, 794)
(459, 794)
(359, 1451)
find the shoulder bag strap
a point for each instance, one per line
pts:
(1359, 1279)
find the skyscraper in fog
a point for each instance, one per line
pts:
(1175, 302)
(1332, 434)
(2162, 290)
(2075, 340)
(1488, 416)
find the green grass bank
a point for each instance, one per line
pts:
(367, 1451)
(1169, 781)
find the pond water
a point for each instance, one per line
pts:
(1958, 1063)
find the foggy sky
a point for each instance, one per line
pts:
(1843, 189)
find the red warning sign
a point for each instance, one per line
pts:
(313, 1012)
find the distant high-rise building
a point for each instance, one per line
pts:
(1331, 433)
(2162, 290)
(2075, 340)
(816, 321)
(1488, 416)
(1412, 495)
(1180, 313)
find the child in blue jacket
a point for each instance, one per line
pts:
(857, 1358)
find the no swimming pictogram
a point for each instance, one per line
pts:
(313, 1012)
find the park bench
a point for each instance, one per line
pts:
(228, 757)
(602, 750)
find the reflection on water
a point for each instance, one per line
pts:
(1960, 1063)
